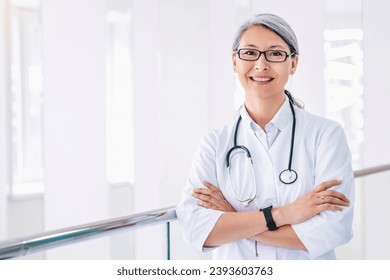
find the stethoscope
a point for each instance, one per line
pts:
(287, 176)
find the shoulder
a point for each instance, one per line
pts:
(325, 136)
(219, 136)
(317, 124)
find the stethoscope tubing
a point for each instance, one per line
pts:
(289, 174)
(235, 146)
(292, 134)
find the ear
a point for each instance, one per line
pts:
(234, 62)
(294, 64)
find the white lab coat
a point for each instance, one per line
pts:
(321, 153)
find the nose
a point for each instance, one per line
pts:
(261, 64)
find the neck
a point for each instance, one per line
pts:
(262, 110)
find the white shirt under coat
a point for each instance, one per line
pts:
(321, 153)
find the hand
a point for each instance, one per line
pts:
(211, 197)
(319, 200)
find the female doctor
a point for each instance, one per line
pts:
(276, 182)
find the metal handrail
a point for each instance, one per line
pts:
(52, 239)
(371, 170)
(61, 237)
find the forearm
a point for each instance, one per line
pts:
(234, 226)
(284, 237)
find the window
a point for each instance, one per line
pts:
(343, 80)
(26, 97)
(120, 165)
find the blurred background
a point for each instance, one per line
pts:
(103, 103)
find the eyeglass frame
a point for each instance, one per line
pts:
(237, 51)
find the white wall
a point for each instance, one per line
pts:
(222, 23)
(74, 38)
(3, 126)
(146, 90)
(171, 104)
(376, 20)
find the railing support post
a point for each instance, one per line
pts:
(168, 241)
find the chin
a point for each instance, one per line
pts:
(262, 93)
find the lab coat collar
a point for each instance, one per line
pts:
(280, 120)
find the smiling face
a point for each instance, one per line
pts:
(261, 78)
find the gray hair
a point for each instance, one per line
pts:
(275, 24)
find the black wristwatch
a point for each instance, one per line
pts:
(268, 218)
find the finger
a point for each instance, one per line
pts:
(214, 188)
(204, 191)
(207, 205)
(334, 201)
(207, 184)
(203, 197)
(211, 190)
(329, 207)
(209, 199)
(214, 197)
(201, 190)
(210, 186)
(333, 193)
(211, 203)
(208, 192)
(326, 185)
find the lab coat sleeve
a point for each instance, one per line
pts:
(330, 229)
(195, 221)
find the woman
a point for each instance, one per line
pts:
(277, 182)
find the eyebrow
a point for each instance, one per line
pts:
(270, 47)
(276, 47)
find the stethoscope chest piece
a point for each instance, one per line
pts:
(288, 176)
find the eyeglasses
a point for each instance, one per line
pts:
(270, 56)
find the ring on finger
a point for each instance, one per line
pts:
(322, 199)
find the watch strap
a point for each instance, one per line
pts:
(269, 219)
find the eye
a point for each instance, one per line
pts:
(249, 52)
(275, 53)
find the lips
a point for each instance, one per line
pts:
(261, 79)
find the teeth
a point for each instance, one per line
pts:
(261, 79)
